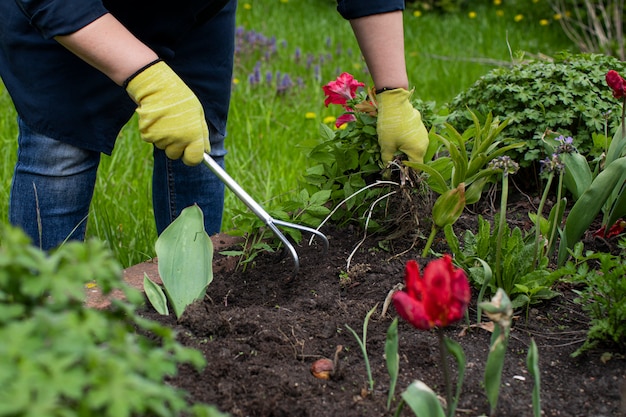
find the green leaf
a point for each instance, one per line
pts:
(493, 371)
(155, 295)
(422, 400)
(455, 349)
(577, 177)
(185, 254)
(532, 363)
(393, 359)
(616, 147)
(587, 207)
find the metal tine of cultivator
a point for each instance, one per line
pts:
(262, 214)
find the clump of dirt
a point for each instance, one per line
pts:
(260, 330)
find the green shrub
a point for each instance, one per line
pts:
(568, 95)
(60, 358)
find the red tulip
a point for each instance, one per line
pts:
(617, 83)
(437, 299)
(341, 90)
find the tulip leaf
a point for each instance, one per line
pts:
(436, 181)
(532, 363)
(155, 295)
(185, 254)
(455, 349)
(393, 358)
(618, 209)
(577, 176)
(422, 400)
(493, 370)
(587, 207)
(616, 147)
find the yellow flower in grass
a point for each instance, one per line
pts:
(557, 16)
(310, 115)
(499, 12)
(417, 13)
(247, 6)
(497, 2)
(329, 119)
(472, 15)
(284, 1)
(544, 22)
(518, 17)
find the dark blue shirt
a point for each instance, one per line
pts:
(59, 95)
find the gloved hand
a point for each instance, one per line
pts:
(170, 115)
(400, 126)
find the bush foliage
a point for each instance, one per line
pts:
(567, 95)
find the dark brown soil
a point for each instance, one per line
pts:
(260, 331)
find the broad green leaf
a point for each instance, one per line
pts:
(577, 177)
(587, 207)
(155, 295)
(185, 254)
(616, 147)
(422, 400)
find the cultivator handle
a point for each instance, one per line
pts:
(261, 213)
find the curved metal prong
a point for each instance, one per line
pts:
(306, 229)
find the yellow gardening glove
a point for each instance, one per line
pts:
(170, 115)
(400, 126)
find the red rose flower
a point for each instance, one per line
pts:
(617, 83)
(437, 299)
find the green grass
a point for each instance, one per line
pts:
(268, 133)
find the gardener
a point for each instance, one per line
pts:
(78, 69)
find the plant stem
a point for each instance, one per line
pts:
(431, 238)
(538, 218)
(623, 115)
(443, 352)
(557, 219)
(503, 203)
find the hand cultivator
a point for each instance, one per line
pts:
(261, 213)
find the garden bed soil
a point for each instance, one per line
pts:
(260, 330)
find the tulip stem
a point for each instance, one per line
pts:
(445, 368)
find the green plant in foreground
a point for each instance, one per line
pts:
(430, 302)
(185, 254)
(433, 301)
(601, 293)
(59, 358)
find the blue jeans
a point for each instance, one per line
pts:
(53, 185)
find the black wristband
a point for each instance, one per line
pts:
(139, 71)
(382, 90)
